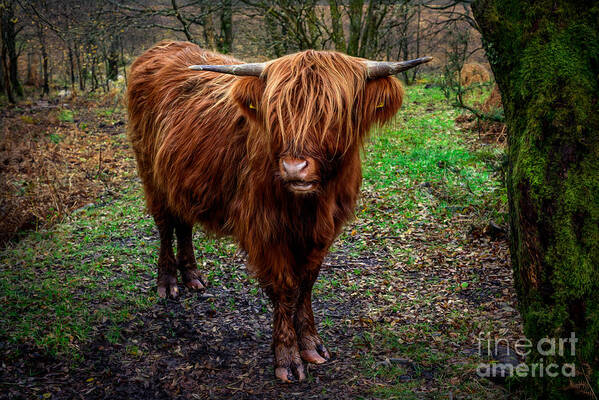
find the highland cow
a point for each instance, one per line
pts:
(267, 153)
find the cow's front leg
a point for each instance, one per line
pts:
(288, 363)
(312, 349)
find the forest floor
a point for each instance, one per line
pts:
(403, 300)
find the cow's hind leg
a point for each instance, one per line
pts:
(186, 261)
(167, 269)
(311, 347)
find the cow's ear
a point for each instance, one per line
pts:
(247, 93)
(382, 99)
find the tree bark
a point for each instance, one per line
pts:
(71, 68)
(545, 57)
(1, 70)
(209, 36)
(94, 78)
(123, 62)
(112, 61)
(46, 78)
(367, 30)
(11, 43)
(414, 72)
(29, 76)
(42, 40)
(225, 42)
(6, 76)
(10, 57)
(312, 27)
(80, 68)
(355, 26)
(369, 39)
(336, 26)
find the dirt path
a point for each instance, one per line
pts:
(216, 344)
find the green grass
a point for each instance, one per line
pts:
(81, 279)
(421, 161)
(66, 115)
(62, 286)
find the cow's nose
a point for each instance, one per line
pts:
(295, 168)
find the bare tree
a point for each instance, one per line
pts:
(454, 27)
(9, 29)
(294, 26)
(193, 19)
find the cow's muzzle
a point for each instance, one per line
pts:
(299, 174)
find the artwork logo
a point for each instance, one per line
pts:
(506, 357)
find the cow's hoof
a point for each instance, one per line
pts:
(323, 351)
(194, 284)
(286, 374)
(193, 279)
(318, 355)
(312, 356)
(168, 288)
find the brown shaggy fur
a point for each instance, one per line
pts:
(209, 146)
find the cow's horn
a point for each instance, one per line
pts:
(380, 69)
(253, 69)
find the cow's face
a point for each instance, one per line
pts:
(311, 111)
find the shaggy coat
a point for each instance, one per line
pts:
(213, 149)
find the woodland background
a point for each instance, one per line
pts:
(85, 45)
(478, 214)
(56, 53)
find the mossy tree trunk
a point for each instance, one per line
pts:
(545, 57)
(337, 26)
